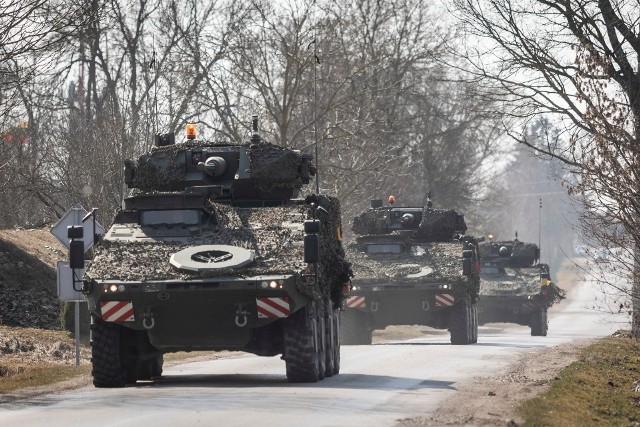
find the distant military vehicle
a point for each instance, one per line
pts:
(514, 287)
(213, 251)
(412, 265)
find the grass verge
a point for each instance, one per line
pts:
(16, 376)
(597, 390)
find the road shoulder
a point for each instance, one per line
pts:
(494, 400)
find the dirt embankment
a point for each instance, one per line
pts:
(28, 278)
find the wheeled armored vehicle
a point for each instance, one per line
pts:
(412, 266)
(514, 286)
(213, 250)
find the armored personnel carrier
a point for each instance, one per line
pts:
(213, 250)
(412, 265)
(514, 287)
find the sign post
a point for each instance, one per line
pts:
(76, 216)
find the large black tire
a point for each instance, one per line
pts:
(321, 337)
(460, 323)
(474, 322)
(539, 324)
(330, 342)
(301, 351)
(109, 369)
(336, 344)
(157, 365)
(150, 368)
(354, 328)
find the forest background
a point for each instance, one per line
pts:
(400, 98)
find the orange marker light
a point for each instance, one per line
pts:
(392, 200)
(191, 131)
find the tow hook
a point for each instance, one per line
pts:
(425, 305)
(374, 306)
(241, 315)
(147, 320)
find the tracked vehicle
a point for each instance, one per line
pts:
(412, 266)
(514, 287)
(212, 250)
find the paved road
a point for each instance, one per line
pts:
(378, 384)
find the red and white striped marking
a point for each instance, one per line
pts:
(272, 308)
(117, 311)
(444, 300)
(355, 302)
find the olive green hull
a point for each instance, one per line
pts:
(509, 309)
(204, 314)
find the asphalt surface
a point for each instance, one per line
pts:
(377, 385)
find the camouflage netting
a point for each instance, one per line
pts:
(439, 225)
(163, 169)
(371, 221)
(518, 282)
(275, 167)
(160, 170)
(442, 261)
(278, 249)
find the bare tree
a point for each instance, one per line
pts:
(29, 29)
(134, 69)
(577, 62)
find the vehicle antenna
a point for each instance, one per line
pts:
(540, 229)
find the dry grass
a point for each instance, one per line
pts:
(17, 376)
(31, 357)
(599, 389)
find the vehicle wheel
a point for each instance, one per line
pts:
(539, 323)
(321, 334)
(144, 369)
(330, 331)
(156, 366)
(301, 345)
(336, 343)
(150, 368)
(460, 323)
(354, 328)
(108, 367)
(474, 322)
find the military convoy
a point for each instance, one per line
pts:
(514, 287)
(412, 265)
(212, 250)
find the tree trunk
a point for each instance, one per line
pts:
(635, 293)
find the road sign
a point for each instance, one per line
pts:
(74, 216)
(65, 283)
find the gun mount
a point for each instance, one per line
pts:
(221, 170)
(426, 224)
(509, 253)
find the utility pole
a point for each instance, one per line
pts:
(540, 228)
